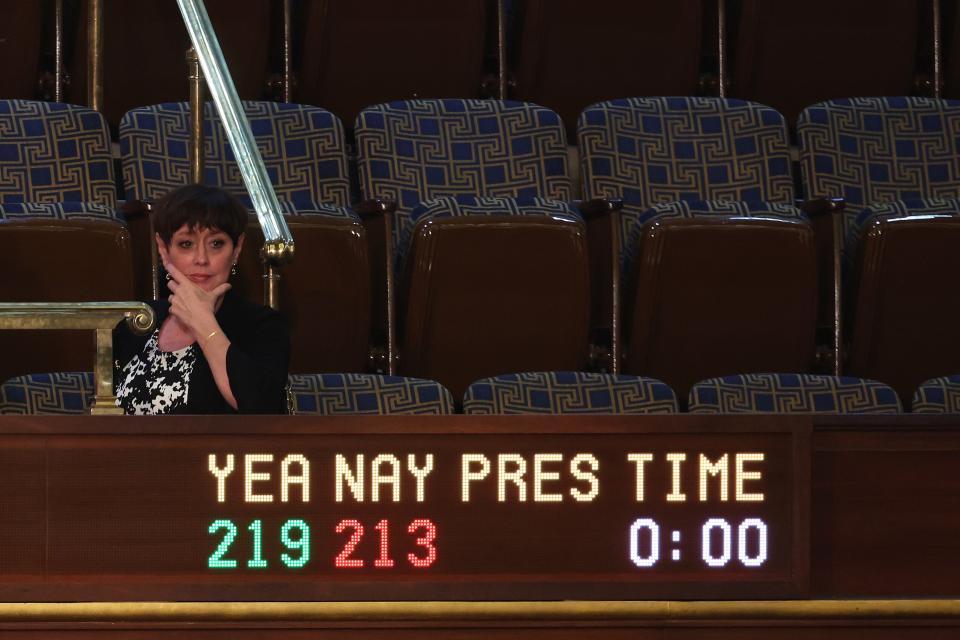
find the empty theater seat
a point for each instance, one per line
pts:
(367, 394)
(59, 238)
(568, 392)
(790, 393)
(324, 291)
(79, 261)
(902, 308)
(572, 54)
(302, 147)
(651, 151)
(939, 395)
(411, 151)
(720, 287)
(491, 177)
(492, 285)
(872, 151)
(47, 394)
(718, 265)
(793, 54)
(363, 52)
(52, 152)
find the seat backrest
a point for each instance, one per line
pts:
(47, 394)
(714, 294)
(792, 393)
(939, 395)
(302, 148)
(655, 150)
(906, 311)
(793, 54)
(651, 151)
(877, 150)
(324, 292)
(494, 285)
(144, 47)
(363, 52)
(367, 394)
(573, 53)
(412, 151)
(54, 152)
(568, 392)
(81, 261)
(20, 40)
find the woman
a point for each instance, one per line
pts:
(212, 351)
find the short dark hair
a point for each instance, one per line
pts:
(199, 207)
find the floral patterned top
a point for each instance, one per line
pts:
(155, 382)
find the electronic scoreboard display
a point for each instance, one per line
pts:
(406, 508)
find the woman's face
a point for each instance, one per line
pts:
(204, 256)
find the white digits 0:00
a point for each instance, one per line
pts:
(716, 542)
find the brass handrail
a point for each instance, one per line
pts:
(427, 611)
(101, 317)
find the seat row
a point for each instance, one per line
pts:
(553, 393)
(689, 240)
(649, 47)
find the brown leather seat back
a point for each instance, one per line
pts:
(721, 295)
(20, 37)
(790, 55)
(144, 47)
(362, 52)
(907, 305)
(324, 292)
(484, 296)
(59, 261)
(573, 53)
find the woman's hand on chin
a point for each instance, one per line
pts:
(191, 305)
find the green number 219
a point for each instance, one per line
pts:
(299, 543)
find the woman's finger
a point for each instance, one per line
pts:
(173, 271)
(220, 290)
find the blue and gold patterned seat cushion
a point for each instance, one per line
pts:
(413, 151)
(302, 147)
(54, 152)
(650, 151)
(316, 209)
(872, 151)
(918, 207)
(792, 393)
(566, 392)
(471, 205)
(47, 393)
(939, 395)
(341, 394)
(59, 211)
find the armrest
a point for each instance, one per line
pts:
(377, 217)
(603, 231)
(818, 207)
(133, 209)
(374, 207)
(599, 206)
(826, 216)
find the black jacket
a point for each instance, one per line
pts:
(257, 359)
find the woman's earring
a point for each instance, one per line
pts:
(233, 269)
